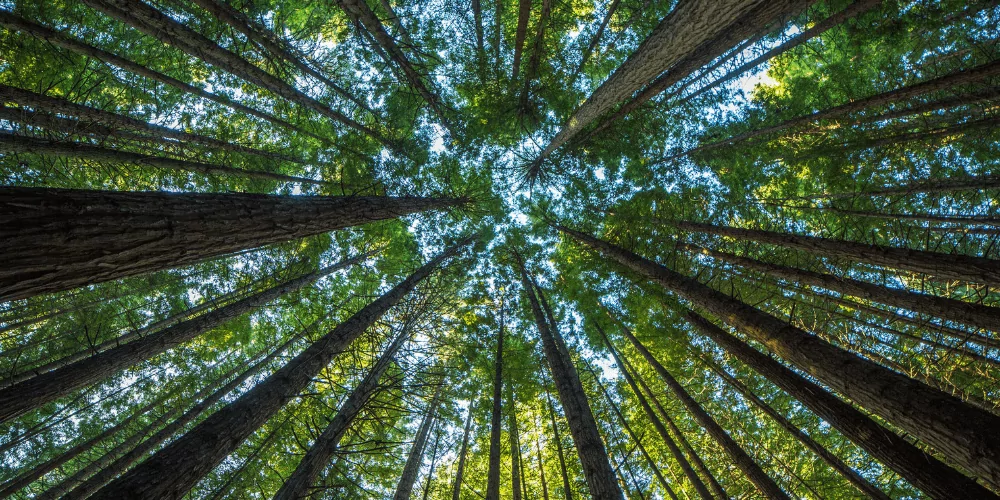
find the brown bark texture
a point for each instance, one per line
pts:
(493, 471)
(415, 459)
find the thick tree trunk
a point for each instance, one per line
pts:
(859, 482)
(175, 469)
(23, 144)
(154, 23)
(118, 467)
(456, 491)
(679, 34)
(59, 239)
(940, 265)
(563, 473)
(589, 445)
(923, 471)
(416, 456)
(47, 387)
(682, 461)
(318, 457)
(98, 121)
(496, 424)
(520, 33)
(942, 307)
(516, 483)
(13, 22)
(755, 22)
(956, 429)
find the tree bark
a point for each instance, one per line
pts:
(922, 470)
(175, 469)
(416, 456)
(592, 46)
(520, 33)
(567, 491)
(942, 266)
(496, 424)
(929, 186)
(859, 482)
(318, 457)
(956, 429)
(22, 144)
(682, 461)
(430, 470)
(47, 387)
(590, 447)
(13, 22)
(541, 465)
(536, 55)
(456, 490)
(60, 239)
(516, 483)
(942, 307)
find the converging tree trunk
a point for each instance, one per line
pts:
(416, 456)
(175, 469)
(516, 481)
(954, 428)
(567, 491)
(520, 33)
(496, 424)
(589, 445)
(456, 490)
(119, 234)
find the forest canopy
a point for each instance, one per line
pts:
(528, 249)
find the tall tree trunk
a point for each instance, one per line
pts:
(23, 144)
(541, 464)
(520, 33)
(118, 467)
(108, 123)
(430, 470)
(685, 466)
(954, 428)
(536, 55)
(497, 29)
(416, 456)
(756, 21)
(567, 491)
(47, 387)
(516, 483)
(175, 469)
(678, 35)
(154, 23)
(859, 482)
(322, 450)
(456, 490)
(635, 437)
(59, 239)
(477, 19)
(589, 445)
(942, 307)
(923, 471)
(16, 23)
(496, 424)
(594, 40)
(928, 186)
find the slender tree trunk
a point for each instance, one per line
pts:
(516, 484)
(59, 239)
(477, 19)
(430, 471)
(175, 469)
(497, 29)
(416, 457)
(699, 486)
(108, 123)
(942, 219)
(118, 467)
(47, 387)
(22, 144)
(943, 83)
(456, 491)
(592, 46)
(536, 55)
(154, 23)
(857, 8)
(541, 464)
(496, 424)
(942, 307)
(941, 265)
(757, 21)
(929, 186)
(859, 482)
(521, 32)
(567, 491)
(678, 35)
(590, 447)
(923, 471)
(318, 457)
(954, 428)
(13, 22)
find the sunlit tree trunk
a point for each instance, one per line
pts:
(175, 469)
(59, 239)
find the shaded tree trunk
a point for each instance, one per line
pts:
(496, 424)
(318, 457)
(520, 33)
(516, 483)
(175, 469)
(592, 46)
(941, 265)
(47, 387)
(925, 472)
(929, 186)
(13, 22)
(590, 447)
(416, 456)
(956, 429)
(118, 234)
(541, 465)
(430, 471)
(536, 56)
(456, 490)
(567, 491)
